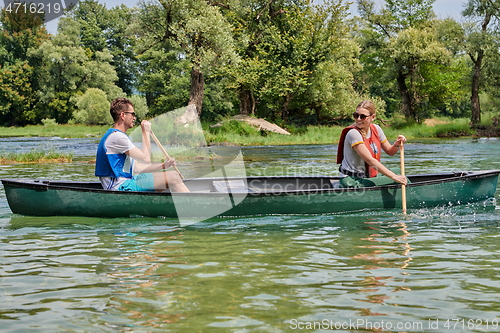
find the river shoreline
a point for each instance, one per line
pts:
(249, 136)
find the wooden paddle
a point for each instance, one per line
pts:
(165, 152)
(403, 187)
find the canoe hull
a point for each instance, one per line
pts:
(43, 198)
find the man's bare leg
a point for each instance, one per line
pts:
(170, 180)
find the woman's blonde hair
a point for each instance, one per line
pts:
(367, 105)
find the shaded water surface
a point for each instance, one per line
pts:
(435, 270)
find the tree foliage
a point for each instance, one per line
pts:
(16, 94)
(68, 71)
(18, 80)
(101, 30)
(401, 46)
(296, 63)
(290, 61)
(196, 30)
(93, 108)
(481, 44)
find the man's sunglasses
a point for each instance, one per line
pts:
(356, 115)
(132, 113)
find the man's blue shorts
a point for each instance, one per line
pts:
(141, 182)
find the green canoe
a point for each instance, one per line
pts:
(246, 196)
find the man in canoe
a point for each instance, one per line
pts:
(360, 148)
(121, 166)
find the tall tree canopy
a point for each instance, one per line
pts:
(290, 61)
(296, 59)
(18, 80)
(107, 30)
(68, 70)
(194, 29)
(481, 43)
(400, 39)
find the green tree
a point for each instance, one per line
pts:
(164, 79)
(297, 59)
(481, 39)
(420, 59)
(400, 43)
(121, 44)
(165, 82)
(93, 108)
(457, 76)
(103, 30)
(252, 21)
(332, 61)
(68, 71)
(16, 94)
(140, 106)
(196, 30)
(491, 86)
(19, 33)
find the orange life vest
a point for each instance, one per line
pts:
(373, 139)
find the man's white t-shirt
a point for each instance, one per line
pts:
(118, 143)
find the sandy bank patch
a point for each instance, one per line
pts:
(434, 122)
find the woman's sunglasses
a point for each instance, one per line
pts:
(356, 115)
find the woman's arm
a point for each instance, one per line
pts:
(393, 149)
(365, 154)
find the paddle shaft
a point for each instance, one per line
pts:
(158, 143)
(403, 187)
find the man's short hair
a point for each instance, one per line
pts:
(118, 106)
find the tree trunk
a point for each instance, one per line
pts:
(197, 88)
(476, 76)
(474, 98)
(284, 109)
(247, 102)
(407, 104)
(317, 111)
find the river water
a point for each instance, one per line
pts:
(435, 270)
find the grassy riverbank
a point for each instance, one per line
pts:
(63, 131)
(231, 133)
(35, 156)
(245, 135)
(239, 133)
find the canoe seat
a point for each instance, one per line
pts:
(231, 186)
(335, 183)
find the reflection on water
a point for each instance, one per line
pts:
(381, 271)
(247, 273)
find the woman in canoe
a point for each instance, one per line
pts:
(121, 166)
(360, 148)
